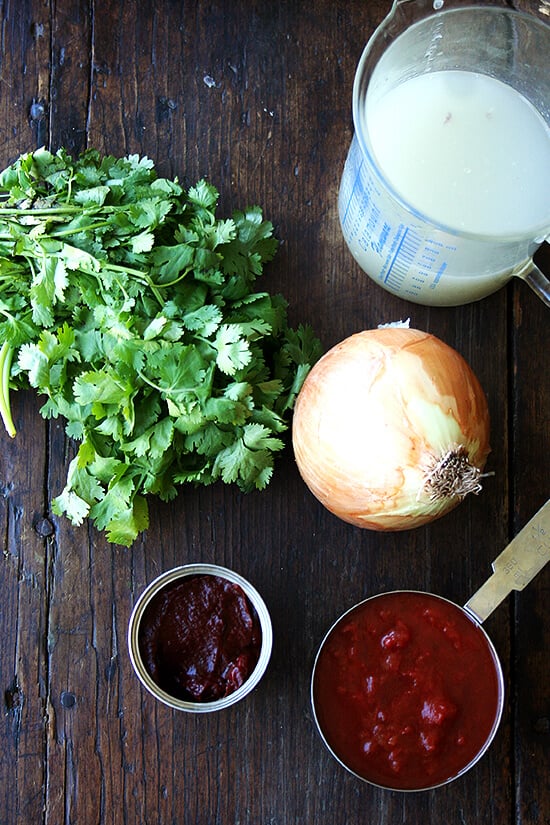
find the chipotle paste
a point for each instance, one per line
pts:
(200, 638)
(406, 690)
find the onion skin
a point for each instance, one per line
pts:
(375, 416)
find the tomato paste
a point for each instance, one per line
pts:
(200, 638)
(406, 690)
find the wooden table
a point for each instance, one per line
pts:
(257, 96)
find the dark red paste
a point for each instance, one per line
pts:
(406, 690)
(200, 638)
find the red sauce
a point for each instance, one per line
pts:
(406, 690)
(200, 638)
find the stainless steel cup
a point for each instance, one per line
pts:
(328, 738)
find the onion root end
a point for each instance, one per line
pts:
(452, 476)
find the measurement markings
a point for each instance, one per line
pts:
(403, 257)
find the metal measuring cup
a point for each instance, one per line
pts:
(513, 569)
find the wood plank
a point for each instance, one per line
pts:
(76, 773)
(531, 442)
(25, 528)
(25, 597)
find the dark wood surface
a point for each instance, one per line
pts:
(81, 741)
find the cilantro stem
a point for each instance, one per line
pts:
(128, 269)
(70, 187)
(6, 356)
(60, 233)
(180, 277)
(140, 275)
(170, 392)
(150, 383)
(14, 212)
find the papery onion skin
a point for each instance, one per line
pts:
(376, 414)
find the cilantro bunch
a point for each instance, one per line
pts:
(132, 308)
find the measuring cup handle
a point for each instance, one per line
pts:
(537, 280)
(516, 566)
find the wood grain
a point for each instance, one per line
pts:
(257, 97)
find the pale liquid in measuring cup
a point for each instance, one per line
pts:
(465, 149)
(469, 154)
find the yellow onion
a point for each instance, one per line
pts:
(391, 429)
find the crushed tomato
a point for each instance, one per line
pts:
(406, 690)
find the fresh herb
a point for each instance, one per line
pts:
(131, 307)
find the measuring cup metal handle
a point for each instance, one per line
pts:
(537, 280)
(516, 566)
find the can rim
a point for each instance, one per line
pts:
(161, 581)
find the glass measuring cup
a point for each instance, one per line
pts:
(445, 192)
(407, 689)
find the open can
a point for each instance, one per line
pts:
(166, 583)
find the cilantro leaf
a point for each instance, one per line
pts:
(233, 350)
(248, 460)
